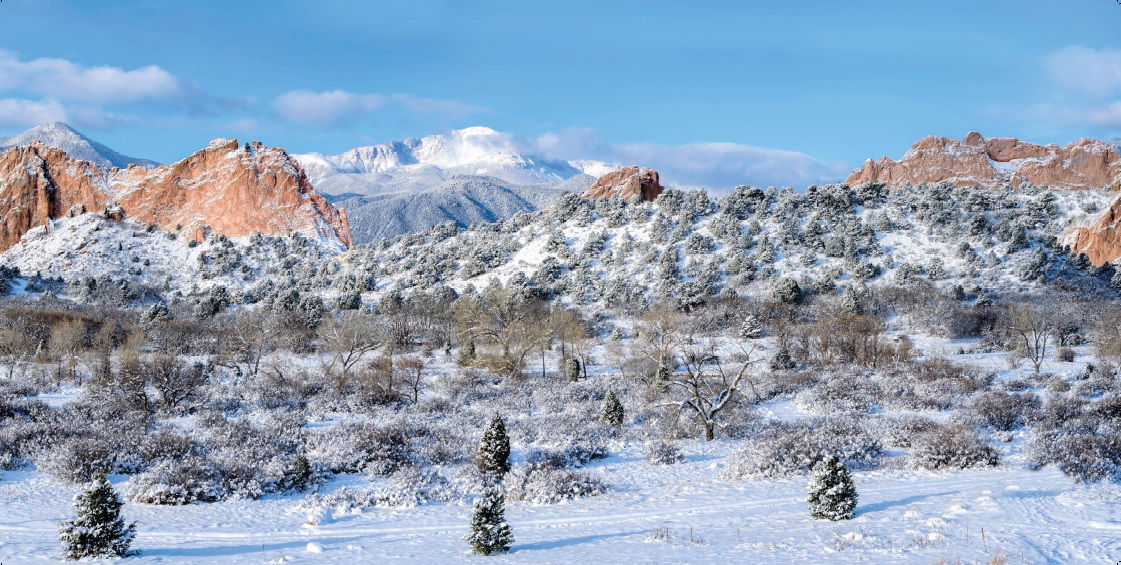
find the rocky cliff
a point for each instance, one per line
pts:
(627, 182)
(992, 163)
(225, 188)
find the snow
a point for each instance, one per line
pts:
(1032, 517)
(475, 150)
(652, 514)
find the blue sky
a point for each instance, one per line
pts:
(837, 81)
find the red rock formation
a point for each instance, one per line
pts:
(225, 188)
(627, 182)
(992, 163)
(1100, 237)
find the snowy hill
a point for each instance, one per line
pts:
(461, 199)
(691, 248)
(62, 136)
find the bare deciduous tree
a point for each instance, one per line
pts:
(710, 383)
(347, 338)
(1032, 328)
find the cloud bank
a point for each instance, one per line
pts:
(715, 165)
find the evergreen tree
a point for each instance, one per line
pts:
(832, 494)
(99, 530)
(612, 410)
(752, 328)
(572, 369)
(782, 361)
(494, 449)
(299, 473)
(662, 378)
(851, 302)
(467, 356)
(490, 534)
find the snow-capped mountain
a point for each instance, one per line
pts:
(420, 163)
(78, 146)
(465, 176)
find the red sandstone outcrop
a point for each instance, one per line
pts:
(225, 188)
(627, 183)
(993, 163)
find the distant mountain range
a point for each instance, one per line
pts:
(466, 176)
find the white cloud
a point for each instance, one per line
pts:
(1096, 72)
(339, 107)
(60, 79)
(1086, 91)
(715, 165)
(15, 112)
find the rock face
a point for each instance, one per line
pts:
(993, 163)
(225, 188)
(627, 183)
(1099, 238)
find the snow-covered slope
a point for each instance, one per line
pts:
(462, 199)
(62, 136)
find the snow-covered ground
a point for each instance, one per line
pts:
(903, 517)
(684, 513)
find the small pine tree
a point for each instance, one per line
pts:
(99, 530)
(782, 361)
(832, 494)
(299, 473)
(851, 302)
(494, 449)
(752, 328)
(490, 534)
(572, 369)
(611, 412)
(467, 356)
(662, 378)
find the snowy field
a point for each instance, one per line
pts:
(682, 513)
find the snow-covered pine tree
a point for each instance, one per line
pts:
(490, 534)
(782, 361)
(99, 530)
(752, 328)
(612, 410)
(832, 494)
(572, 369)
(494, 449)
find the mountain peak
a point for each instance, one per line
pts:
(61, 136)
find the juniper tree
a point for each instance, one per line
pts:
(572, 369)
(494, 449)
(490, 534)
(832, 494)
(752, 328)
(99, 530)
(612, 410)
(782, 360)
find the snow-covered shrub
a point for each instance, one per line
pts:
(901, 431)
(951, 447)
(546, 485)
(358, 447)
(176, 482)
(1002, 411)
(659, 452)
(577, 454)
(783, 449)
(1083, 439)
(74, 459)
(856, 394)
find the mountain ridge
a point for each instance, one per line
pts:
(61, 136)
